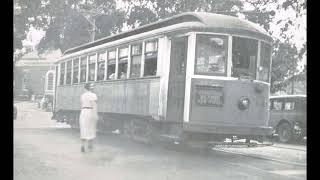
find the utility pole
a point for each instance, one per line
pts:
(91, 16)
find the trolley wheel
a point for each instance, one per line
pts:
(285, 132)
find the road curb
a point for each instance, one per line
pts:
(296, 149)
(261, 157)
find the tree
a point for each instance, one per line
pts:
(20, 22)
(284, 65)
(287, 46)
(141, 12)
(65, 27)
(283, 27)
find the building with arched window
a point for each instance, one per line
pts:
(34, 74)
(49, 82)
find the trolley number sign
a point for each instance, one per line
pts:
(209, 96)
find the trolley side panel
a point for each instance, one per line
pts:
(139, 97)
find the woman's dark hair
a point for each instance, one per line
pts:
(87, 86)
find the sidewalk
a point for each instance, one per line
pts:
(47, 150)
(30, 116)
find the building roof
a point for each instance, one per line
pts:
(48, 58)
(33, 55)
(214, 21)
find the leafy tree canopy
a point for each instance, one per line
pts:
(64, 21)
(67, 27)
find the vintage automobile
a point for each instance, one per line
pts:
(288, 117)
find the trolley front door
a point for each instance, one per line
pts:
(177, 78)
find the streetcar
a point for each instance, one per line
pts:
(194, 76)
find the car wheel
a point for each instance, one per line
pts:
(285, 132)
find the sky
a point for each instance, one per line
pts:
(33, 37)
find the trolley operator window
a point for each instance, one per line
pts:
(136, 54)
(151, 53)
(111, 64)
(102, 56)
(92, 67)
(211, 55)
(68, 78)
(62, 71)
(123, 63)
(75, 71)
(244, 57)
(264, 68)
(83, 69)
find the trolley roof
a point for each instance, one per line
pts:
(216, 22)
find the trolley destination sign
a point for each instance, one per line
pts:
(209, 96)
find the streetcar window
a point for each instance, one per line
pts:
(244, 57)
(111, 69)
(151, 53)
(68, 78)
(101, 65)
(83, 69)
(62, 71)
(289, 106)
(92, 67)
(211, 54)
(123, 63)
(264, 68)
(75, 71)
(136, 60)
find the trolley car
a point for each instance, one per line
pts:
(195, 75)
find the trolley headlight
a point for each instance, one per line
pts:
(244, 103)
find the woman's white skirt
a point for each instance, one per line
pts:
(88, 121)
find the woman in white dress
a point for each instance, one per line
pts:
(88, 117)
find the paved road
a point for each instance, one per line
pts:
(45, 150)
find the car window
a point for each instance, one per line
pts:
(277, 105)
(300, 106)
(288, 106)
